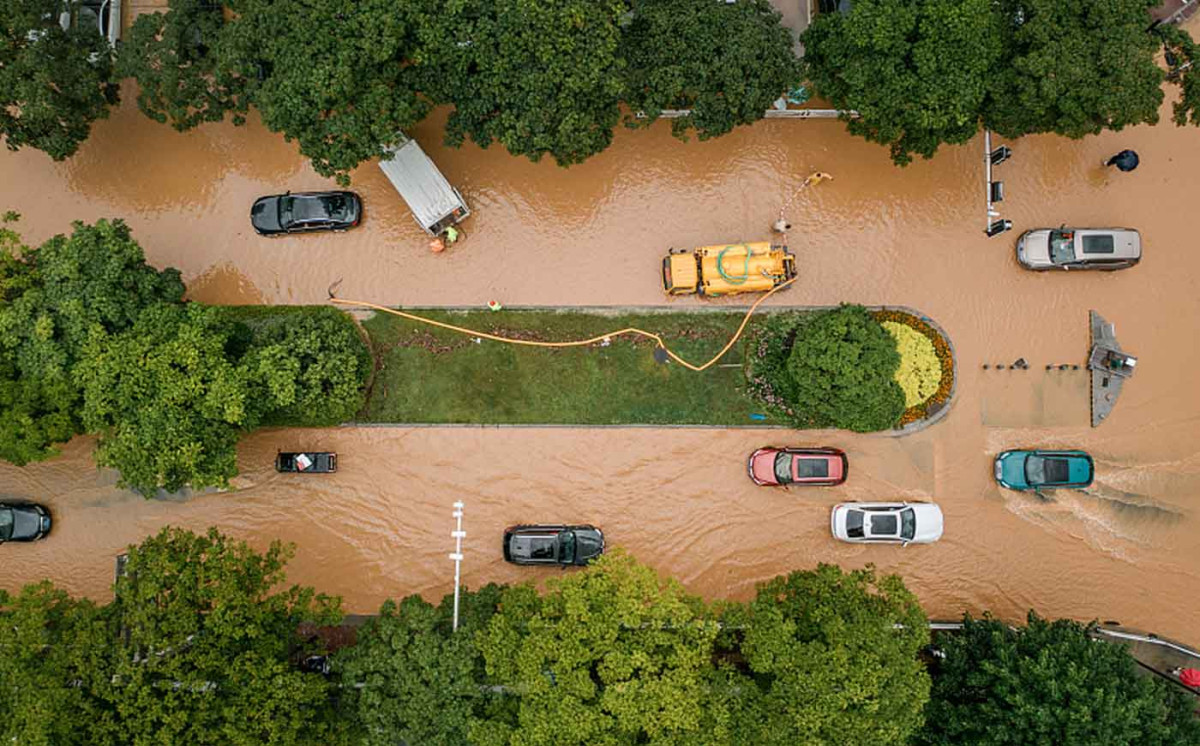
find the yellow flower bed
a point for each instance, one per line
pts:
(920, 370)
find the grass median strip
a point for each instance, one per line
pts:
(430, 375)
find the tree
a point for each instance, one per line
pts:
(1074, 67)
(53, 82)
(51, 299)
(1049, 682)
(915, 71)
(726, 63)
(612, 655)
(311, 364)
(48, 641)
(834, 667)
(166, 400)
(827, 369)
(1183, 54)
(410, 679)
(538, 77)
(183, 72)
(336, 75)
(204, 634)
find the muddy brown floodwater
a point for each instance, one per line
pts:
(1125, 549)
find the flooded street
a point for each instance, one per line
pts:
(1125, 549)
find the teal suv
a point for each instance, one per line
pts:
(1044, 470)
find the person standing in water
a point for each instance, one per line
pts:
(1126, 160)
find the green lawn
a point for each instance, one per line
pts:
(431, 375)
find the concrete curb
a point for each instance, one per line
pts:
(909, 429)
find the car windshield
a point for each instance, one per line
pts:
(783, 468)
(812, 468)
(567, 545)
(883, 525)
(1062, 247)
(908, 524)
(854, 524)
(6, 524)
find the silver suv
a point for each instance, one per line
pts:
(1079, 248)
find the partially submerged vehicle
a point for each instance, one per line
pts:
(817, 467)
(305, 212)
(1079, 248)
(552, 545)
(23, 522)
(308, 462)
(435, 204)
(901, 523)
(1039, 470)
(727, 269)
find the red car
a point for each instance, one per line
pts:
(821, 467)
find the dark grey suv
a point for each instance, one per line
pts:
(552, 545)
(23, 522)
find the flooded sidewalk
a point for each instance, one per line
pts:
(594, 234)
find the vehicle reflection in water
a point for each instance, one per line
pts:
(680, 499)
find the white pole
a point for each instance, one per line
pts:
(458, 535)
(987, 177)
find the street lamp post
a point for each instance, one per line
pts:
(458, 535)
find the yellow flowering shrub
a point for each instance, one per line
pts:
(920, 370)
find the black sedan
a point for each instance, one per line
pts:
(23, 522)
(552, 545)
(310, 462)
(305, 211)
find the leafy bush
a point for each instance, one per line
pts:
(827, 369)
(920, 370)
(310, 363)
(1049, 682)
(834, 655)
(51, 298)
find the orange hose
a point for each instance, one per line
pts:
(580, 342)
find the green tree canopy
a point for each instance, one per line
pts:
(166, 400)
(916, 71)
(48, 641)
(831, 368)
(1185, 73)
(611, 655)
(726, 63)
(410, 679)
(1049, 682)
(824, 647)
(53, 83)
(181, 65)
(1074, 67)
(337, 78)
(310, 363)
(51, 298)
(538, 77)
(205, 632)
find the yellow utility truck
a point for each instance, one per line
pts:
(727, 269)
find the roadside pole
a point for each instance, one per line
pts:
(458, 535)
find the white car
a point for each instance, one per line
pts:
(1079, 248)
(887, 523)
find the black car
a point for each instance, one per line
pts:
(305, 211)
(23, 522)
(312, 462)
(552, 545)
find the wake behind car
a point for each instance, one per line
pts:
(310, 462)
(818, 467)
(552, 545)
(23, 522)
(1044, 470)
(304, 212)
(887, 523)
(1079, 248)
